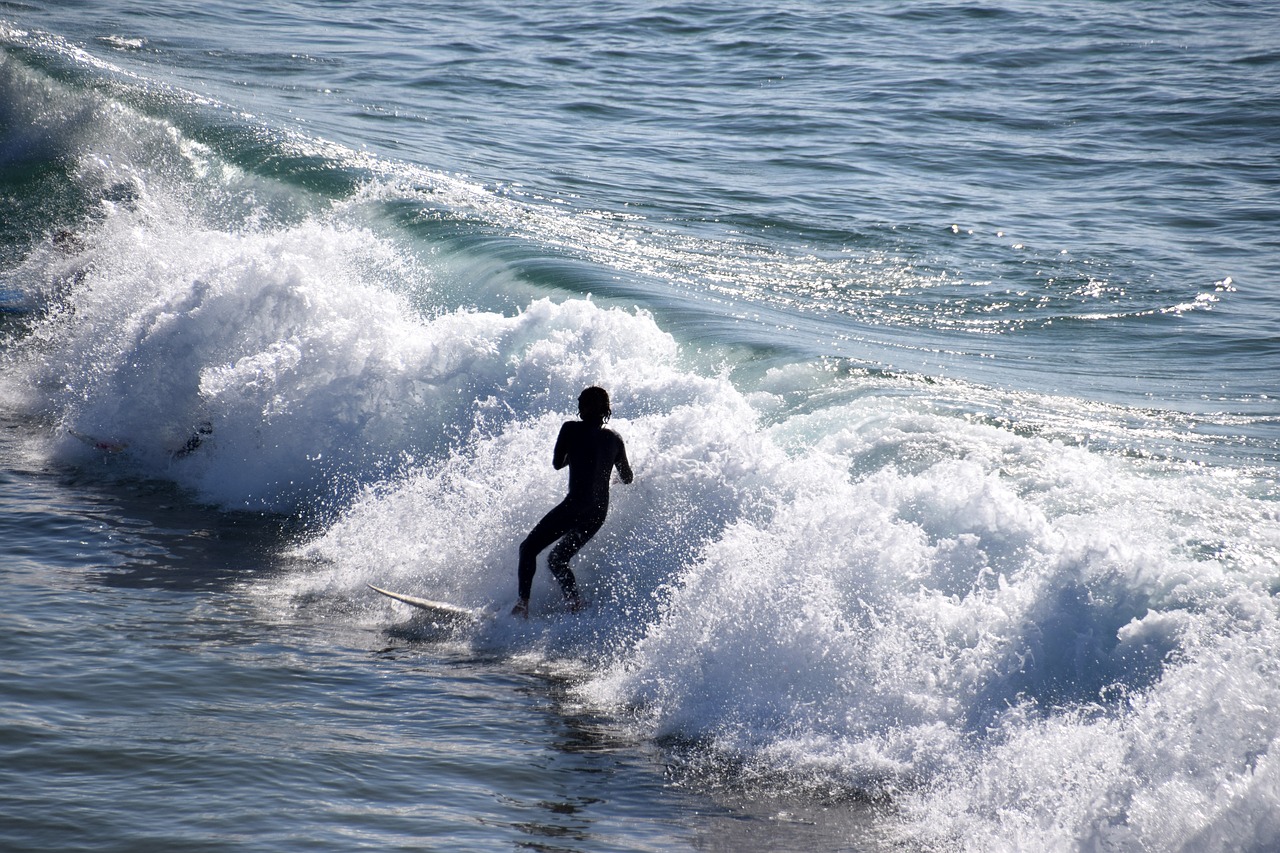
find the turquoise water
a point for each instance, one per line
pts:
(943, 339)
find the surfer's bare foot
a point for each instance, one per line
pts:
(575, 603)
(521, 609)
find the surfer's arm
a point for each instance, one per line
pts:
(560, 456)
(623, 466)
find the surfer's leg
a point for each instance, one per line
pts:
(553, 525)
(570, 544)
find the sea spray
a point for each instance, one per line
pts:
(885, 609)
(944, 633)
(452, 524)
(271, 339)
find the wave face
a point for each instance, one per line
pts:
(1025, 620)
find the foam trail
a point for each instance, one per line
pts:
(883, 598)
(1011, 640)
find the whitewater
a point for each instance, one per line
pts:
(955, 528)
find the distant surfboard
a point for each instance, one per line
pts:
(106, 445)
(442, 610)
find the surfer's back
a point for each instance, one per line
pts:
(591, 451)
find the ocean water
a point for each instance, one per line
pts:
(944, 338)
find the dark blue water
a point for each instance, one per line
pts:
(943, 338)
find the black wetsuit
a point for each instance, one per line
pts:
(591, 451)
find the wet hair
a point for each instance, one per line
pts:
(593, 404)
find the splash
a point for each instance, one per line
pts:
(1016, 643)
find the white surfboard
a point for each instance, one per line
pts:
(441, 610)
(106, 445)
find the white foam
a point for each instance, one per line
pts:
(992, 629)
(830, 579)
(1007, 625)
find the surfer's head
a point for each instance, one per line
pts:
(593, 405)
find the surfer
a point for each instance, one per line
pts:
(592, 451)
(203, 431)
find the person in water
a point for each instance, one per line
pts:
(592, 451)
